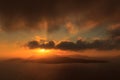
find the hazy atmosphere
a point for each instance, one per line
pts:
(59, 39)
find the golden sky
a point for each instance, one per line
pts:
(76, 27)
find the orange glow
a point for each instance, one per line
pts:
(43, 51)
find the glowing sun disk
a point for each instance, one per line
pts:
(43, 51)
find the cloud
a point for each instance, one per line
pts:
(108, 44)
(28, 14)
(71, 28)
(41, 44)
(50, 44)
(115, 33)
(65, 45)
(112, 42)
(84, 45)
(33, 44)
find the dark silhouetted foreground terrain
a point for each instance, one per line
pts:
(68, 69)
(56, 60)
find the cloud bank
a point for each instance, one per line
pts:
(36, 14)
(113, 42)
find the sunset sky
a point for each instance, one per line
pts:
(59, 27)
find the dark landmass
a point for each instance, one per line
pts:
(60, 68)
(57, 60)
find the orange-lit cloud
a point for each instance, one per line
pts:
(29, 15)
(34, 20)
(98, 44)
(71, 28)
(114, 26)
(38, 38)
(88, 25)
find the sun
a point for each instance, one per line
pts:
(42, 51)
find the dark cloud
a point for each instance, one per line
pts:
(19, 15)
(50, 44)
(108, 44)
(33, 44)
(103, 45)
(97, 44)
(36, 44)
(115, 33)
(66, 45)
(112, 42)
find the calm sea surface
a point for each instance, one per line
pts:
(79, 71)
